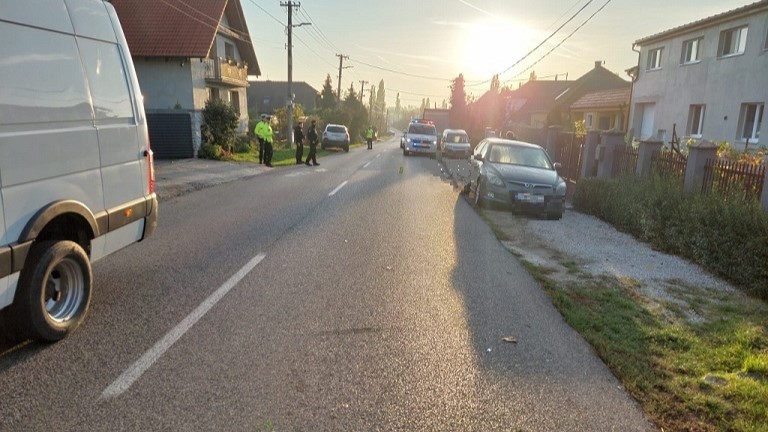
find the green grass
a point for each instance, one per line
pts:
(662, 359)
(283, 156)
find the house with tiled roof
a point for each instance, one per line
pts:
(602, 110)
(532, 103)
(188, 51)
(267, 96)
(707, 79)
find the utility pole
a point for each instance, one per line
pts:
(362, 89)
(341, 66)
(291, 5)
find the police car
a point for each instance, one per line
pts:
(421, 137)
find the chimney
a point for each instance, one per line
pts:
(598, 63)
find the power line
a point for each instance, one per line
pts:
(528, 54)
(267, 12)
(398, 72)
(209, 25)
(565, 39)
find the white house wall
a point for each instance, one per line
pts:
(165, 83)
(721, 84)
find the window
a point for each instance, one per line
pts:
(690, 51)
(732, 42)
(234, 99)
(213, 93)
(654, 59)
(106, 78)
(751, 120)
(229, 51)
(696, 120)
(589, 121)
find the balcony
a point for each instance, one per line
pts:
(226, 72)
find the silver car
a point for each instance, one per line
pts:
(335, 136)
(455, 142)
(516, 174)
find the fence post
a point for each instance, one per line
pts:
(697, 161)
(764, 196)
(645, 157)
(553, 132)
(610, 141)
(588, 154)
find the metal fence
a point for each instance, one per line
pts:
(727, 177)
(569, 153)
(668, 163)
(624, 161)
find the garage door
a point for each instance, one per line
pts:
(170, 135)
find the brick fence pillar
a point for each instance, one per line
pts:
(588, 154)
(645, 157)
(552, 134)
(697, 161)
(610, 141)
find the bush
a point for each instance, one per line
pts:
(728, 236)
(211, 151)
(242, 144)
(221, 121)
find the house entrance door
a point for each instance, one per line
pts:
(646, 130)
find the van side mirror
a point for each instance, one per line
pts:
(478, 157)
(558, 166)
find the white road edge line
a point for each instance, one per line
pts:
(378, 155)
(338, 188)
(367, 165)
(133, 373)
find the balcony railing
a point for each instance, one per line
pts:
(223, 71)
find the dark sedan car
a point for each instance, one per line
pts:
(516, 174)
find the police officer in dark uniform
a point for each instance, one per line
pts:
(298, 138)
(312, 138)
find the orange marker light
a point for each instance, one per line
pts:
(128, 212)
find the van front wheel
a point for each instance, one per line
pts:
(54, 290)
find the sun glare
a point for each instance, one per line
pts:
(491, 47)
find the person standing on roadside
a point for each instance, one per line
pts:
(259, 131)
(268, 138)
(369, 137)
(312, 138)
(298, 138)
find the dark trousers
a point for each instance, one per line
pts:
(261, 150)
(370, 143)
(299, 151)
(312, 156)
(268, 153)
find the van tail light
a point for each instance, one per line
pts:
(150, 166)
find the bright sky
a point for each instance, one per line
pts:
(439, 39)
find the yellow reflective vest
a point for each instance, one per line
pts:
(369, 133)
(263, 130)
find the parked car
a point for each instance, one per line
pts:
(516, 174)
(421, 138)
(76, 173)
(335, 136)
(455, 142)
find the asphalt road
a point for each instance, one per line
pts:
(347, 297)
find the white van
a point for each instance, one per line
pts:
(76, 174)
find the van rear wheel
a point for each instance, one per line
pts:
(54, 290)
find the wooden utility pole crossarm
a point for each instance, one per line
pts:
(341, 57)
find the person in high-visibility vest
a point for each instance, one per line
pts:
(263, 131)
(369, 137)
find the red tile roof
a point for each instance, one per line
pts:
(181, 28)
(603, 99)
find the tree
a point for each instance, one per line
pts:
(423, 105)
(444, 105)
(351, 91)
(281, 118)
(459, 114)
(495, 84)
(371, 104)
(381, 108)
(327, 96)
(221, 121)
(427, 104)
(398, 107)
(532, 76)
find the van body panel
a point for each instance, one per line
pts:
(90, 19)
(122, 237)
(116, 190)
(8, 289)
(23, 201)
(118, 144)
(49, 14)
(29, 92)
(53, 153)
(3, 238)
